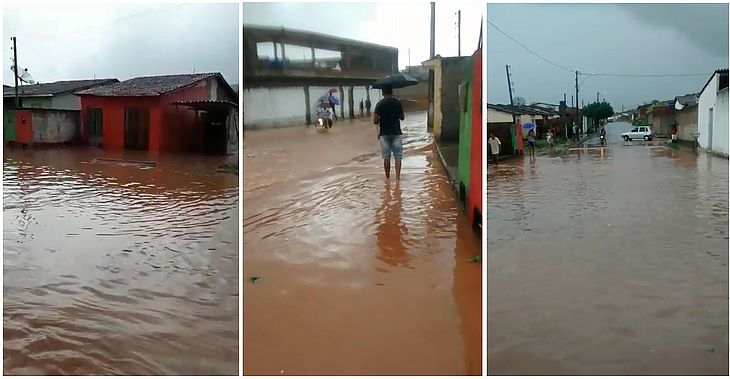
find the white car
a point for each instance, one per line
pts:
(639, 132)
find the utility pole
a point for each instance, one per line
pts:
(596, 96)
(409, 60)
(433, 29)
(429, 122)
(577, 111)
(572, 99)
(509, 87)
(15, 70)
(459, 31)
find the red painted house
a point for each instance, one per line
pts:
(171, 113)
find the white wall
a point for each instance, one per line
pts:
(720, 135)
(494, 115)
(275, 106)
(717, 139)
(359, 93)
(375, 96)
(67, 101)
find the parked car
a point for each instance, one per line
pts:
(639, 132)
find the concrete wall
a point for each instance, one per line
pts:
(265, 107)
(67, 101)
(54, 126)
(715, 139)
(496, 116)
(451, 78)
(233, 132)
(36, 102)
(686, 123)
(720, 135)
(287, 106)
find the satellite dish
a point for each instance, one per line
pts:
(25, 77)
(519, 101)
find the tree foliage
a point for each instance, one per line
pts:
(598, 111)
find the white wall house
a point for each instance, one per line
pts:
(712, 114)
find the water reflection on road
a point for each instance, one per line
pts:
(356, 275)
(608, 261)
(114, 268)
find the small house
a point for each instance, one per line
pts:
(195, 113)
(46, 113)
(685, 111)
(712, 117)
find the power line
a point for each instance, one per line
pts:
(528, 49)
(586, 73)
(648, 75)
(100, 26)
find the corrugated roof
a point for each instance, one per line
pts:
(152, 85)
(519, 110)
(55, 88)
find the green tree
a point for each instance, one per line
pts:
(598, 111)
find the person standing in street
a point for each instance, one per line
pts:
(531, 142)
(368, 104)
(362, 112)
(331, 101)
(674, 132)
(494, 144)
(388, 115)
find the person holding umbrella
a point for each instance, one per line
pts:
(387, 115)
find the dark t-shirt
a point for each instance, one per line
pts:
(389, 109)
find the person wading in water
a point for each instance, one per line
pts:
(388, 115)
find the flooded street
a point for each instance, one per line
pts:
(347, 273)
(608, 261)
(120, 269)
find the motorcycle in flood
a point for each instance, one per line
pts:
(603, 140)
(324, 117)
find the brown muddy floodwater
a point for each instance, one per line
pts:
(118, 269)
(608, 261)
(356, 275)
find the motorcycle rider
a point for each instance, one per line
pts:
(603, 135)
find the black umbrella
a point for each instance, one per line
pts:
(395, 81)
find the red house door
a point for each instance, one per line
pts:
(24, 127)
(136, 128)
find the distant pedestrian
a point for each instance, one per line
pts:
(549, 137)
(494, 144)
(362, 111)
(531, 142)
(674, 132)
(575, 132)
(388, 115)
(367, 106)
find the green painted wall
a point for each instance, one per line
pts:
(8, 125)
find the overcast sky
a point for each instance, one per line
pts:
(402, 25)
(77, 41)
(604, 38)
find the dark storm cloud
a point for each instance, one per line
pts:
(705, 25)
(604, 38)
(122, 40)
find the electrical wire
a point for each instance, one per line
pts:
(591, 74)
(528, 49)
